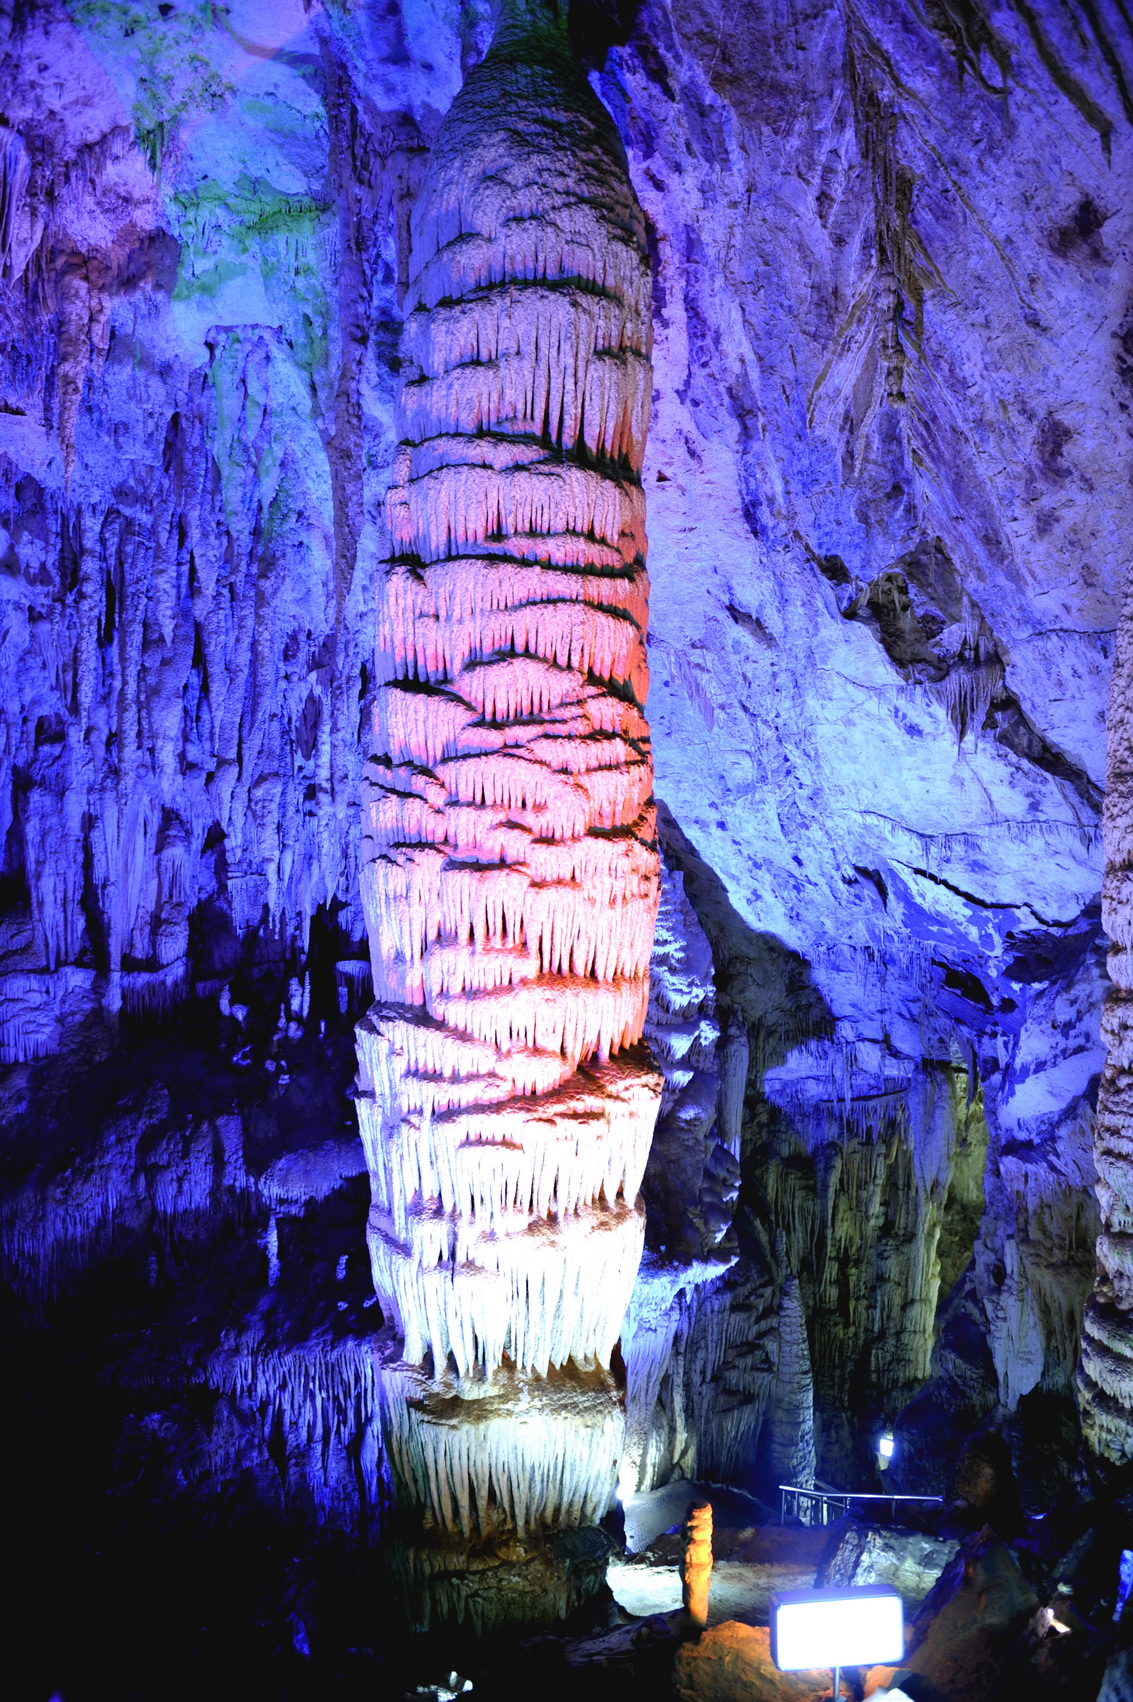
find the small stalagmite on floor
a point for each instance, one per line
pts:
(511, 871)
(696, 1562)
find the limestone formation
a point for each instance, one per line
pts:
(908, 1561)
(790, 1422)
(980, 1620)
(889, 514)
(732, 1663)
(1105, 1375)
(510, 870)
(696, 1562)
(699, 1335)
(1117, 1683)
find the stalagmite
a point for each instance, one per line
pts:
(791, 1419)
(696, 1562)
(510, 870)
(1105, 1373)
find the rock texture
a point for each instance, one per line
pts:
(1105, 1376)
(1117, 1684)
(510, 865)
(855, 438)
(888, 514)
(977, 1627)
(700, 1338)
(908, 1561)
(733, 1661)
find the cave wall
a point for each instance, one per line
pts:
(888, 509)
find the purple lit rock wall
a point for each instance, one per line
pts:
(888, 512)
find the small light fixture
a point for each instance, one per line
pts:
(1124, 1582)
(859, 1626)
(627, 1483)
(885, 1446)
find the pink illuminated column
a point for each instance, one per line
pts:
(510, 867)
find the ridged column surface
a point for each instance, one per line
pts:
(1105, 1373)
(510, 866)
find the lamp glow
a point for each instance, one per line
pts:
(862, 1626)
(885, 1445)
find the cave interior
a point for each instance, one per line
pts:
(566, 883)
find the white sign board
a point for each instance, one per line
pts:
(860, 1626)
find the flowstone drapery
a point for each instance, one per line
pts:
(510, 868)
(1105, 1374)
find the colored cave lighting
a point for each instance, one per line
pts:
(836, 1628)
(510, 867)
(511, 874)
(1124, 1582)
(885, 1445)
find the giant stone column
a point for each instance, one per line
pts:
(510, 868)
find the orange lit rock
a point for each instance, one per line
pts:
(732, 1663)
(696, 1562)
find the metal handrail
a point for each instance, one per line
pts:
(803, 1501)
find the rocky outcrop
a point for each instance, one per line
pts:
(977, 1627)
(851, 532)
(908, 1561)
(1117, 1683)
(733, 1661)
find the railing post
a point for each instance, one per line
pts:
(819, 1506)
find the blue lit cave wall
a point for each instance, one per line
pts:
(889, 514)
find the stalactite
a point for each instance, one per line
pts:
(734, 1064)
(699, 1347)
(182, 746)
(861, 1221)
(322, 1396)
(699, 1342)
(510, 871)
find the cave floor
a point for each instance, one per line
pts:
(738, 1591)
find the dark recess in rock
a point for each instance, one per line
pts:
(595, 26)
(1077, 237)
